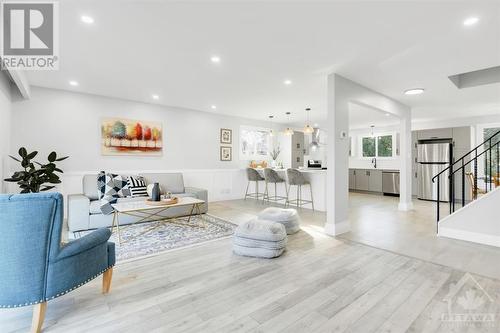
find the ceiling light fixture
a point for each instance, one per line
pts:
(372, 128)
(215, 59)
(288, 130)
(471, 21)
(287, 82)
(415, 91)
(155, 96)
(87, 19)
(308, 129)
(213, 107)
(387, 114)
(73, 83)
(271, 133)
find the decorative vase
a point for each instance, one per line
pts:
(274, 164)
(155, 193)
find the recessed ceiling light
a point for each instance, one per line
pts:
(155, 96)
(215, 59)
(73, 83)
(87, 19)
(287, 82)
(471, 21)
(213, 107)
(387, 114)
(416, 91)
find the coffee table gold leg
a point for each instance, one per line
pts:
(191, 213)
(118, 228)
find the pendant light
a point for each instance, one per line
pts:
(308, 129)
(288, 130)
(372, 127)
(271, 133)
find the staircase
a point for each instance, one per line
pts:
(473, 214)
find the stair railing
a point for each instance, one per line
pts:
(459, 165)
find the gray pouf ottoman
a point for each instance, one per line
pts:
(288, 217)
(259, 238)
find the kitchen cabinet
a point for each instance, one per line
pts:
(438, 133)
(375, 180)
(352, 179)
(362, 180)
(462, 139)
(297, 150)
(365, 180)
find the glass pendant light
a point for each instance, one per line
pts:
(372, 127)
(271, 132)
(308, 129)
(288, 130)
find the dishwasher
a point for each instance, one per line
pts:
(390, 182)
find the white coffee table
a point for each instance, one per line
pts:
(152, 213)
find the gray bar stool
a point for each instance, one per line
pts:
(271, 176)
(295, 177)
(254, 176)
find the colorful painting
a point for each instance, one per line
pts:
(131, 137)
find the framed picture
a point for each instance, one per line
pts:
(226, 153)
(226, 136)
(131, 137)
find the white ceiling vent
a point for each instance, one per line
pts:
(476, 78)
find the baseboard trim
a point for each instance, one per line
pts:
(335, 229)
(469, 236)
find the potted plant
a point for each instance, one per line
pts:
(32, 179)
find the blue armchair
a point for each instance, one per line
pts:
(34, 266)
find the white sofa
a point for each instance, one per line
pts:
(84, 209)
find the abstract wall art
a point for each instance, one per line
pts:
(131, 137)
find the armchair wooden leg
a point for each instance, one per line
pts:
(106, 280)
(38, 317)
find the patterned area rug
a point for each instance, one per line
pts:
(138, 242)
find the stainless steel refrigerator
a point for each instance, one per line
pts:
(432, 158)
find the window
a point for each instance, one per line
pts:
(377, 146)
(488, 133)
(254, 143)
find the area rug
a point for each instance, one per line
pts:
(138, 242)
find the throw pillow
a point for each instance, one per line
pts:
(115, 186)
(137, 186)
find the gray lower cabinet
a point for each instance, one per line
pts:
(352, 179)
(362, 180)
(375, 180)
(365, 180)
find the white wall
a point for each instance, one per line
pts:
(359, 162)
(341, 92)
(5, 126)
(69, 123)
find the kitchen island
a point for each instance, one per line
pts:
(317, 178)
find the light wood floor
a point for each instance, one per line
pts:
(320, 284)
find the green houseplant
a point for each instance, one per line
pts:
(32, 179)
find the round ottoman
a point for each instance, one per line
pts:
(259, 238)
(288, 217)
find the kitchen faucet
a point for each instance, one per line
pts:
(374, 162)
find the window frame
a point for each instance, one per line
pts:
(252, 157)
(376, 136)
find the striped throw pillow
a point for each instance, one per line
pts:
(137, 186)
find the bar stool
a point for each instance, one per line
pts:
(254, 176)
(271, 176)
(295, 177)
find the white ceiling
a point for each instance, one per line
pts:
(137, 48)
(363, 117)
